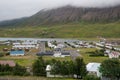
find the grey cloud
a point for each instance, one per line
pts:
(10, 9)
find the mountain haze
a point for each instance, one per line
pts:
(67, 14)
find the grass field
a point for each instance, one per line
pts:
(22, 60)
(70, 30)
(87, 58)
(29, 59)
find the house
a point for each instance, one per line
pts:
(17, 53)
(26, 44)
(60, 46)
(10, 63)
(114, 54)
(46, 53)
(93, 69)
(65, 54)
(57, 54)
(51, 45)
(48, 69)
(16, 43)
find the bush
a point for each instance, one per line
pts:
(19, 70)
(7, 54)
(26, 74)
(91, 77)
(1, 54)
(97, 53)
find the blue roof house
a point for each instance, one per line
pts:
(17, 53)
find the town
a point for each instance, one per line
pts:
(28, 53)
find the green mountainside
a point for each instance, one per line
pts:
(66, 22)
(70, 30)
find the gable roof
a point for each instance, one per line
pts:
(65, 53)
(47, 53)
(93, 66)
(48, 68)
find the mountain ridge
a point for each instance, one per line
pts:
(67, 14)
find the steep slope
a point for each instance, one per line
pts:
(71, 14)
(67, 14)
(70, 30)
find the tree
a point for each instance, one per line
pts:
(8, 68)
(110, 68)
(65, 68)
(19, 70)
(80, 68)
(71, 68)
(56, 67)
(39, 67)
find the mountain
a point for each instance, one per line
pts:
(67, 14)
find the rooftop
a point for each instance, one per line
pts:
(17, 52)
(93, 66)
(47, 53)
(48, 68)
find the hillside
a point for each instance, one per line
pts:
(70, 30)
(67, 14)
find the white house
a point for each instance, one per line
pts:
(51, 45)
(93, 69)
(26, 44)
(114, 54)
(48, 69)
(57, 54)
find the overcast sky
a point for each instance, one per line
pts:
(10, 9)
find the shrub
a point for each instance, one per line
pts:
(91, 77)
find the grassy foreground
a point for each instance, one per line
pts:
(70, 30)
(31, 78)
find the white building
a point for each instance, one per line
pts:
(48, 69)
(114, 54)
(93, 69)
(27, 45)
(51, 45)
(61, 53)
(57, 54)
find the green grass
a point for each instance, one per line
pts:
(21, 60)
(87, 58)
(71, 30)
(57, 58)
(29, 59)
